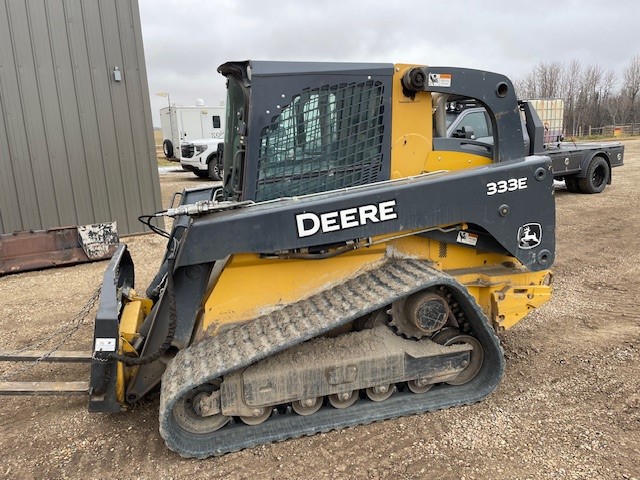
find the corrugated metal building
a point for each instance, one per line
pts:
(76, 138)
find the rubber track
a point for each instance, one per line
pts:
(241, 346)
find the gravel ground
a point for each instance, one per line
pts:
(568, 407)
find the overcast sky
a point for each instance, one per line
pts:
(186, 40)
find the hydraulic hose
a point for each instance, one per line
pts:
(173, 322)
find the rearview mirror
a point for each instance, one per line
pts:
(467, 132)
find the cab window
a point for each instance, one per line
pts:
(477, 121)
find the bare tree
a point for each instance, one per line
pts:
(570, 86)
(526, 87)
(631, 87)
(592, 96)
(543, 81)
(549, 79)
(615, 106)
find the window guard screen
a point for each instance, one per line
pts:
(327, 138)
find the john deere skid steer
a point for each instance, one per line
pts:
(353, 267)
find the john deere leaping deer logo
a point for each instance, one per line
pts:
(529, 236)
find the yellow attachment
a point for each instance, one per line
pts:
(124, 373)
(133, 314)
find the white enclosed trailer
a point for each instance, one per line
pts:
(183, 124)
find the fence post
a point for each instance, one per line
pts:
(589, 130)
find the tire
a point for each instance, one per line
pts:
(572, 184)
(167, 148)
(201, 173)
(597, 176)
(214, 168)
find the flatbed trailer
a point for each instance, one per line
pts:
(585, 167)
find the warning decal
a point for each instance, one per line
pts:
(439, 80)
(105, 345)
(467, 238)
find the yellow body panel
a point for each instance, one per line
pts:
(505, 294)
(508, 303)
(411, 129)
(251, 286)
(440, 160)
(412, 136)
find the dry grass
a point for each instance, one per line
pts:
(162, 160)
(157, 136)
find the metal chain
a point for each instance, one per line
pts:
(66, 330)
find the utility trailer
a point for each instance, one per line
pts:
(585, 167)
(184, 124)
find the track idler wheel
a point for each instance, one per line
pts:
(189, 415)
(475, 361)
(452, 336)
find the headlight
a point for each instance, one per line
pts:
(201, 148)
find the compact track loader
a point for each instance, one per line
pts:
(353, 267)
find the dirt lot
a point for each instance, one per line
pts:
(568, 407)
